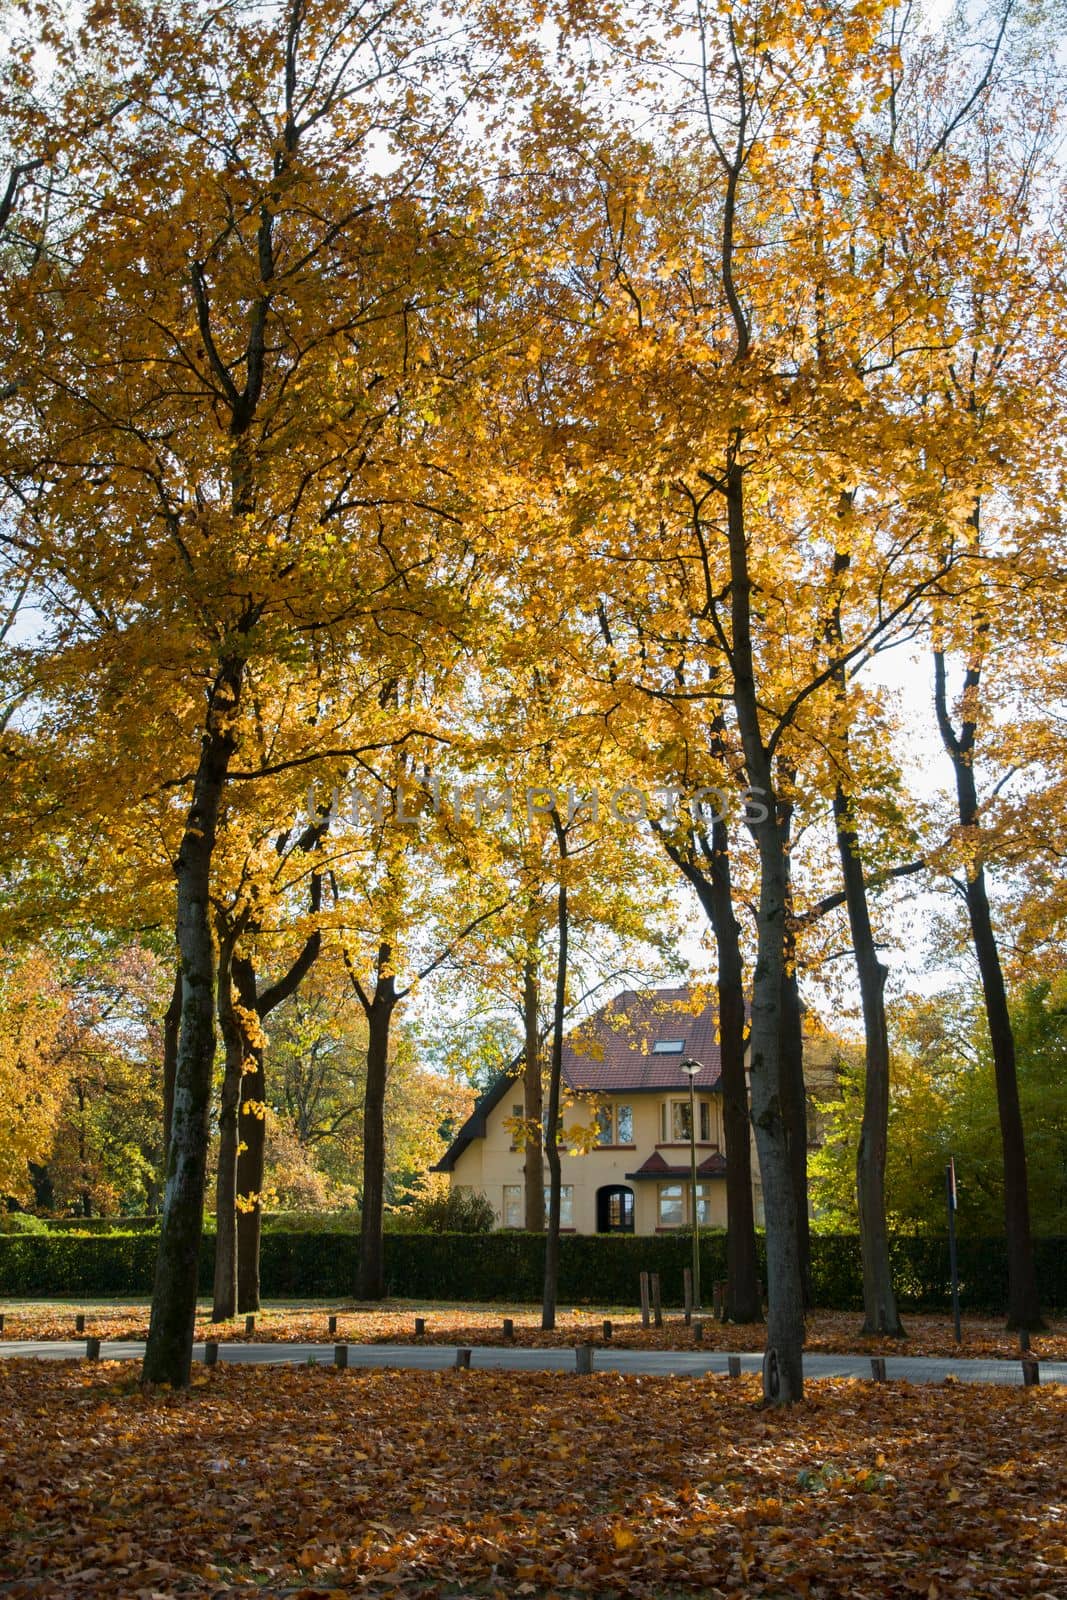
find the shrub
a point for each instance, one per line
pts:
(510, 1266)
(456, 1211)
(22, 1222)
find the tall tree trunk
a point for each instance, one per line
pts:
(251, 1118)
(791, 1046)
(224, 1299)
(171, 1023)
(533, 1161)
(880, 1314)
(370, 1282)
(714, 890)
(251, 1139)
(784, 1375)
(1024, 1306)
(794, 1095)
(555, 1081)
(169, 1349)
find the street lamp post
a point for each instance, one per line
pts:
(691, 1068)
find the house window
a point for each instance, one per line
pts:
(668, 1047)
(705, 1122)
(517, 1112)
(704, 1204)
(615, 1125)
(671, 1205)
(566, 1203)
(674, 1122)
(513, 1206)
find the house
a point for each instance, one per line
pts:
(625, 1144)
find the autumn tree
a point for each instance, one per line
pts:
(217, 415)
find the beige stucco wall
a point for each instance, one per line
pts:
(491, 1163)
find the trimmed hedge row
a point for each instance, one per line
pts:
(509, 1266)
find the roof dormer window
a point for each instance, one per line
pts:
(668, 1047)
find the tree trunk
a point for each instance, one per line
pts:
(169, 1350)
(370, 1282)
(715, 891)
(251, 1140)
(555, 1081)
(533, 1162)
(795, 1098)
(880, 1315)
(171, 1023)
(784, 1375)
(224, 1300)
(1024, 1306)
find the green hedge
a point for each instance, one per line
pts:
(508, 1266)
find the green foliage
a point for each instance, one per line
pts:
(454, 1211)
(21, 1222)
(942, 1103)
(510, 1266)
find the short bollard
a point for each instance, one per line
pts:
(733, 1366)
(340, 1355)
(583, 1358)
(878, 1369)
(250, 1325)
(79, 1322)
(92, 1349)
(332, 1326)
(420, 1327)
(509, 1329)
(463, 1359)
(608, 1331)
(211, 1352)
(1031, 1371)
(698, 1330)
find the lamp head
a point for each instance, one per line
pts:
(691, 1067)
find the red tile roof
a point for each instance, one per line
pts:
(612, 1051)
(713, 1166)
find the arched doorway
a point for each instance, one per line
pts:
(615, 1209)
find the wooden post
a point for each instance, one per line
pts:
(878, 1369)
(607, 1332)
(463, 1358)
(698, 1330)
(420, 1327)
(250, 1325)
(733, 1366)
(211, 1352)
(340, 1355)
(509, 1329)
(92, 1349)
(79, 1322)
(657, 1308)
(583, 1358)
(645, 1317)
(687, 1293)
(332, 1326)
(1031, 1371)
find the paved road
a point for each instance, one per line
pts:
(680, 1363)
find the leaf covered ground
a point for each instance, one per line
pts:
(835, 1332)
(319, 1483)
